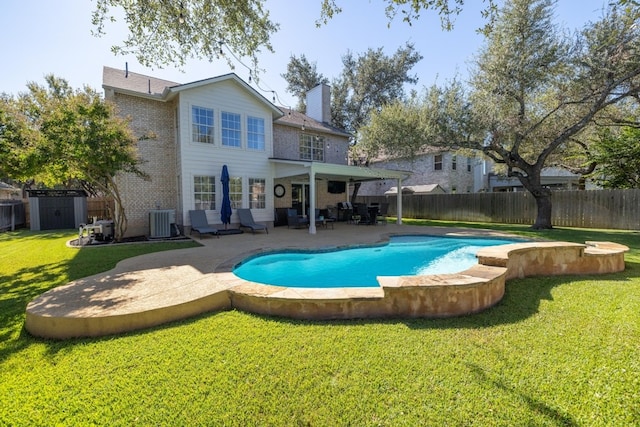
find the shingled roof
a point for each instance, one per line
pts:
(135, 83)
(297, 119)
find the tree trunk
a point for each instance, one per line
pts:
(356, 189)
(543, 203)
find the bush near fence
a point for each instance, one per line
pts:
(613, 209)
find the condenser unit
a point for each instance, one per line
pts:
(160, 223)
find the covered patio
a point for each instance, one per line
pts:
(311, 172)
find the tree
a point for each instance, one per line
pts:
(534, 96)
(170, 32)
(56, 135)
(368, 82)
(617, 155)
(166, 32)
(411, 9)
(302, 76)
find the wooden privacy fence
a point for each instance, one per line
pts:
(12, 214)
(100, 207)
(614, 209)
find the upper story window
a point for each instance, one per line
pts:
(235, 192)
(454, 162)
(255, 133)
(437, 162)
(204, 192)
(468, 164)
(202, 124)
(311, 148)
(230, 125)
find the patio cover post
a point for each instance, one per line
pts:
(399, 202)
(312, 201)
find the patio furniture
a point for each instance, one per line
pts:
(295, 220)
(322, 220)
(199, 223)
(246, 221)
(381, 217)
(367, 214)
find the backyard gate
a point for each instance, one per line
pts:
(57, 209)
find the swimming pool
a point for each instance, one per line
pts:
(360, 266)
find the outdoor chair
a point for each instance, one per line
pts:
(364, 213)
(382, 213)
(246, 221)
(295, 220)
(199, 223)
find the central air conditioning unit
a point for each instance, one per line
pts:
(160, 222)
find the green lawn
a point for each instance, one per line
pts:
(556, 351)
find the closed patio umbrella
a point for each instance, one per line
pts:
(225, 212)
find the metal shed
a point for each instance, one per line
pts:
(57, 209)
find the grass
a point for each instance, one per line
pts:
(561, 351)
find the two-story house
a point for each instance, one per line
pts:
(433, 168)
(277, 158)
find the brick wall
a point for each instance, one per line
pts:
(158, 154)
(423, 172)
(287, 144)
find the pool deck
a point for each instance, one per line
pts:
(157, 288)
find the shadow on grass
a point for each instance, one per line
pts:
(22, 286)
(536, 406)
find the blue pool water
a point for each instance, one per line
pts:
(359, 266)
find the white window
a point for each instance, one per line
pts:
(257, 194)
(204, 192)
(230, 125)
(235, 192)
(311, 148)
(255, 133)
(202, 124)
(437, 162)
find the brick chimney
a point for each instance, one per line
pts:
(319, 103)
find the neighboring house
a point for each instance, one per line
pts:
(452, 172)
(456, 173)
(9, 192)
(416, 189)
(553, 177)
(276, 158)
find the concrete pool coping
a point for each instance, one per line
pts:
(157, 288)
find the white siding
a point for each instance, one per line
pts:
(208, 159)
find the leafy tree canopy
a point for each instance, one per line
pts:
(534, 96)
(57, 135)
(617, 155)
(165, 33)
(301, 76)
(370, 81)
(410, 10)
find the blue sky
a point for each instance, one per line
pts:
(38, 37)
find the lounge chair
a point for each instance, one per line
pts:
(199, 223)
(295, 220)
(246, 221)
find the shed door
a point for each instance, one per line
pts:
(56, 213)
